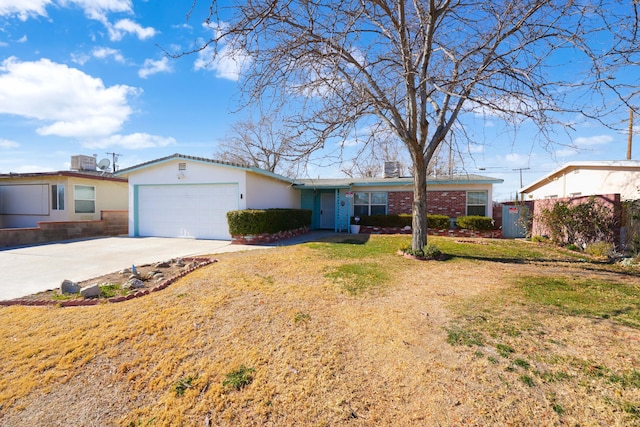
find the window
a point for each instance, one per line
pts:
(374, 203)
(57, 197)
(477, 203)
(84, 198)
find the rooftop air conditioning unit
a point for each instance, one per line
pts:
(83, 163)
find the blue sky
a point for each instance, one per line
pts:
(90, 77)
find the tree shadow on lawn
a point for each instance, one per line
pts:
(590, 265)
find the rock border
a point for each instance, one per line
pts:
(201, 262)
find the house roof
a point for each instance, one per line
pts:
(320, 183)
(595, 164)
(400, 182)
(102, 176)
(178, 156)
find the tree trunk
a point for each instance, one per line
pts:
(419, 224)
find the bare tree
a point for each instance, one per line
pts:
(420, 66)
(263, 144)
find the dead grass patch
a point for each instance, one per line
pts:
(320, 355)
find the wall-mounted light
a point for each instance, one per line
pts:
(180, 176)
(240, 196)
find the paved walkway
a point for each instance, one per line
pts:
(31, 269)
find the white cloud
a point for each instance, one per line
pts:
(566, 152)
(476, 148)
(105, 52)
(22, 39)
(593, 140)
(152, 67)
(98, 9)
(24, 9)
(132, 141)
(127, 26)
(227, 63)
(5, 143)
(515, 158)
(69, 102)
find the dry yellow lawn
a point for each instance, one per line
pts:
(320, 355)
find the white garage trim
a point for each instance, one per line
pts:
(184, 210)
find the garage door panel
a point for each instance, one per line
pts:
(197, 211)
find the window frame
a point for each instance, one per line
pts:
(475, 205)
(76, 199)
(57, 197)
(369, 205)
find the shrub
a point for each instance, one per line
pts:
(475, 222)
(402, 220)
(429, 251)
(578, 224)
(251, 222)
(539, 239)
(438, 221)
(600, 249)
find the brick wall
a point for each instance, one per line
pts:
(450, 203)
(400, 202)
(113, 223)
(116, 223)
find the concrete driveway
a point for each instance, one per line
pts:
(31, 269)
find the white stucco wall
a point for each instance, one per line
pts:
(264, 193)
(28, 199)
(196, 172)
(589, 181)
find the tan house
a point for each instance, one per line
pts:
(29, 198)
(588, 178)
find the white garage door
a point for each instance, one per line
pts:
(197, 211)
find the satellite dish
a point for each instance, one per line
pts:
(104, 164)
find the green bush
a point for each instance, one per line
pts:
(475, 222)
(578, 223)
(402, 220)
(253, 221)
(600, 249)
(438, 221)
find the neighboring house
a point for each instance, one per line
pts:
(588, 178)
(29, 198)
(185, 196)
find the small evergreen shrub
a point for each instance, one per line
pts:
(402, 220)
(438, 221)
(475, 222)
(253, 221)
(600, 249)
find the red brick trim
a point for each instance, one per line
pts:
(258, 239)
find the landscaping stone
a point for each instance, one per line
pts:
(133, 284)
(69, 287)
(163, 264)
(90, 291)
